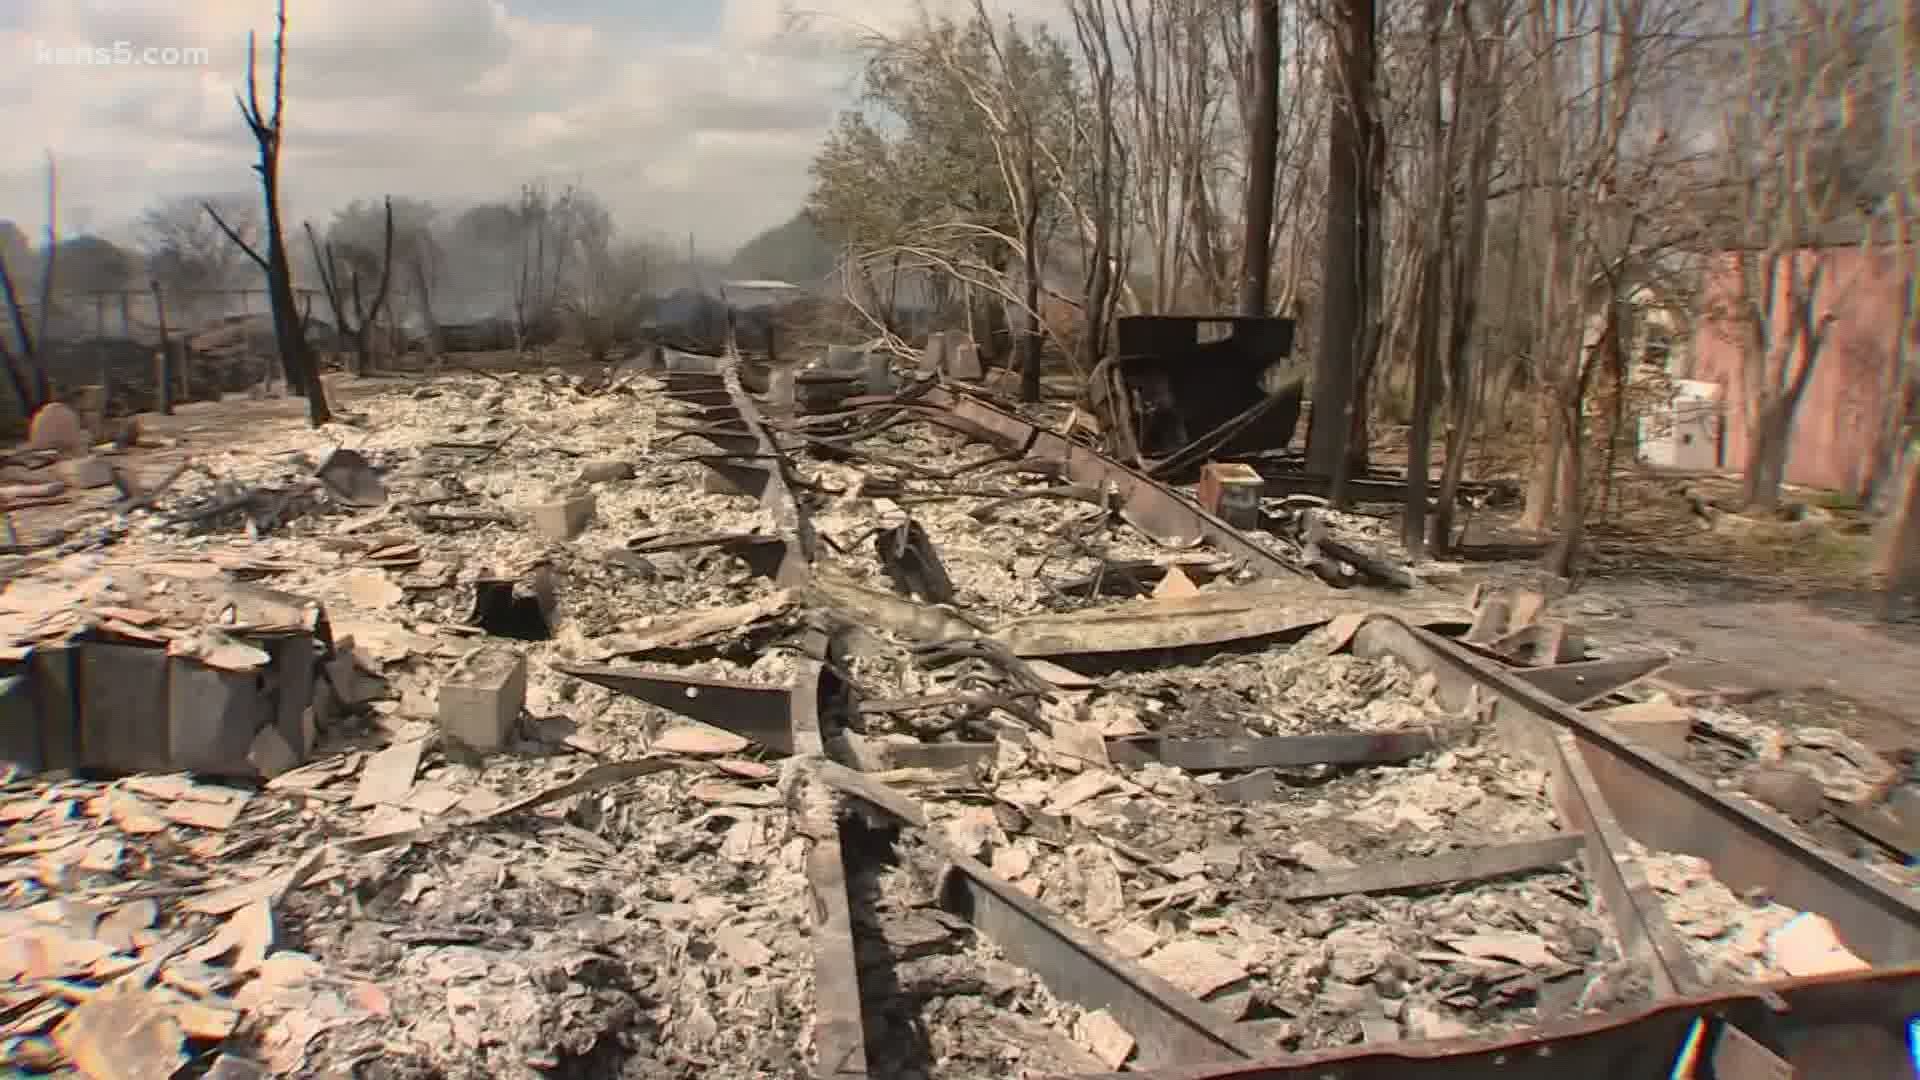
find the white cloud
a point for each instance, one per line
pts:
(449, 99)
(452, 100)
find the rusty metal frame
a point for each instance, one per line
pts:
(1150, 506)
(1606, 790)
(1626, 1045)
(1666, 806)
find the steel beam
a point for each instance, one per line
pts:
(1667, 806)
(1795, 1019)
(839, 1022)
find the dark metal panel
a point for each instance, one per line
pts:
(55, 677)
(123, 708)
(213, 715)
(19, 720)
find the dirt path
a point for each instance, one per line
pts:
(1825, 666)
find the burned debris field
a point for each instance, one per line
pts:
(677, 719)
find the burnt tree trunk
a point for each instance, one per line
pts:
(1030, 233)
(1349, 238)
(1263, 144)
(289, 329)
(1769, 443)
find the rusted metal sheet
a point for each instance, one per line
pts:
(1273, 751)
(1669, 808)
(1585, 681)
(762, 554)
(1155, 509)
(1206, 619)
(1739, 1056)
(1797, 1015)
(1640, 924)
(749, 710)
(1467, 865)
(839, 1025)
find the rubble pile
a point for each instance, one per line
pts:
(392, 904)
(1190, 872)
(473, 863)
(940, 1001)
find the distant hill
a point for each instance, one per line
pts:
(792, 251)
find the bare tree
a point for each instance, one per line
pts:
(544, 241)
(188, 254)
(289, 331)
(610, 280)
(1105, 198)
(1900, 539)
(1263, 147)
(355, 314)
(422, 260)
(1476, 122)
(1776, 303)
(26, 373)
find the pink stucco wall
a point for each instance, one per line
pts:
(1840, 417)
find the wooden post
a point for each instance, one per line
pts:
(163, 373)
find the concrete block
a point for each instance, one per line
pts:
(1003, 382)
(86, 472)
(879, 372)
(123, 708)
(1656, 725)
(1231, 491)
(693, 363)
(933, 358)
(564, 518)
(606, 472)
(58, 427)
(963, 362)
(780, 389)
(481, 701)
(213, 717)
(846, 360)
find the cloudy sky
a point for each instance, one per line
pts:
(685, 115)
